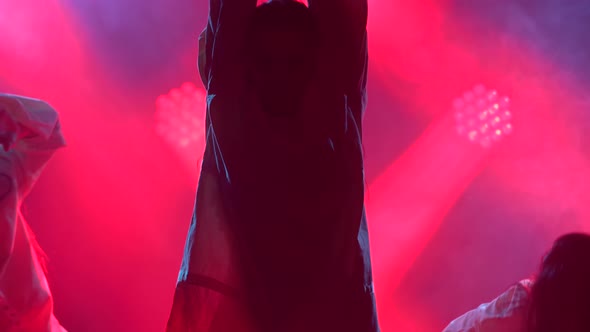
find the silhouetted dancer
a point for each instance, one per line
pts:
(278, 240)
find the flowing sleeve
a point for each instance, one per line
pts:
(225, 41)
(207, 296)
(32, 152)
(21, 166)
(506, 313)
(207, 281)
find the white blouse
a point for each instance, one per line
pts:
(26, 303)
(506, 313)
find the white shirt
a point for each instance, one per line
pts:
(506, 313)
(26, 303)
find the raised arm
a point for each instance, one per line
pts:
(225, 38)
(343, 31)
(506, 313)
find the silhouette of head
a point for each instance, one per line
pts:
(282, 54)
(560, 297)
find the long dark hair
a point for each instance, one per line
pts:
(560, 297)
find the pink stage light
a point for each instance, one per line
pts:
(482, 116)
(433, 173)
(180, 121)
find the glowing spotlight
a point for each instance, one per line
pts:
(479, 110)
(180, 121)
